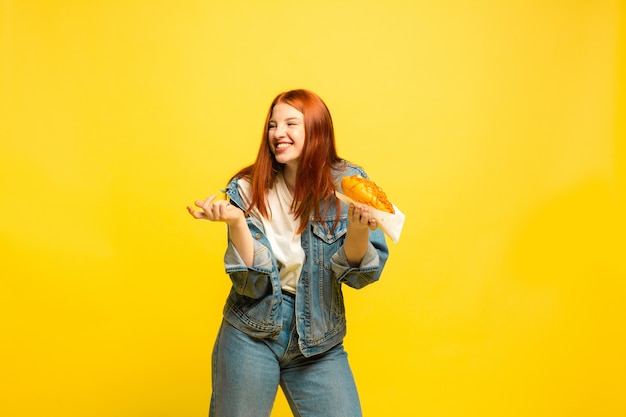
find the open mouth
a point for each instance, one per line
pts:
(282, 146)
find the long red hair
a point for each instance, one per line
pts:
(314, 181)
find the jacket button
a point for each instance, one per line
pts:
(258, 235)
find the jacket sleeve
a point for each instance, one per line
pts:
(371, 266)
(253, 282)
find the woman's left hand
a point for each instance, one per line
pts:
(357, 237)
(359, 217)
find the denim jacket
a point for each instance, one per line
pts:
(255, 299)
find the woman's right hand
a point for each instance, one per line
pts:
(222, 211)
(216, 211)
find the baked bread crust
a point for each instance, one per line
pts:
(367, 192)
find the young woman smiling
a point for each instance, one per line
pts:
(291, 247)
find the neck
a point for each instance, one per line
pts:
(289, 174)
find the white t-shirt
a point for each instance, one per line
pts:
(280, 230)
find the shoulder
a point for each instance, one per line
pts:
(238, 191)
(232, 186)
(346, 169)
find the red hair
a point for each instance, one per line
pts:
(314, 181)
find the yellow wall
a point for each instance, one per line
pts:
(493, 125)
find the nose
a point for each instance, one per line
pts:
(279, 131)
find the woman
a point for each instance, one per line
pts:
(291, 245)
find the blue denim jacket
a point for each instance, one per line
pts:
(254, 302)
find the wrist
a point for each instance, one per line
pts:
(238, 223)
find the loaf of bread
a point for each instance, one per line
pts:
(367, 192)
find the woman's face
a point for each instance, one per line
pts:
(286, 134)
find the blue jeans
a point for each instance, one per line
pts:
(247, 372)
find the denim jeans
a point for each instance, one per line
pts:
(247, 372)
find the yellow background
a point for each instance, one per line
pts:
(497, 128)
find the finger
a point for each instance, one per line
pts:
(210, 198)
(355, 212)
(200, 203)
(195, 214)
(205, 204)
(217, 208)
(365, 215)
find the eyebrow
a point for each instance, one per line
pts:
(289, 119)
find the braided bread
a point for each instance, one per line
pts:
(366, 192)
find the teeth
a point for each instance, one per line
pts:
(282, 145)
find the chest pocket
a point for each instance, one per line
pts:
(324, 231)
